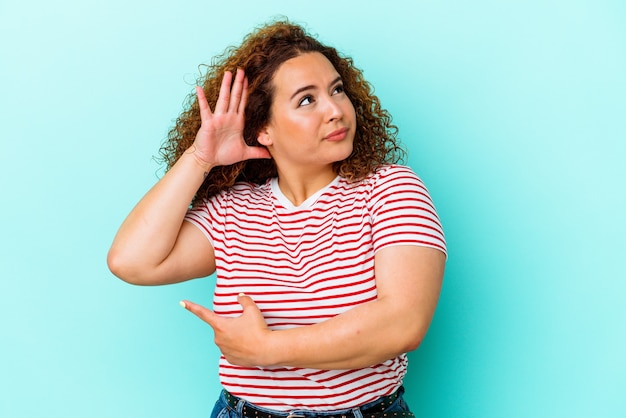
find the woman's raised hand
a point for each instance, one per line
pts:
(219, 140)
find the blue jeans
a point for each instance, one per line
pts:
(223, 410)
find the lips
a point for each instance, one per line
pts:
(337, 135)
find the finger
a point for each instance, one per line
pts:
(253, 153)
(200, 311)
(224, 98)
(246, 302)
(244, 97)
(205, 109)
(236, 91)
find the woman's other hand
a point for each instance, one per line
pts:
(241, 339)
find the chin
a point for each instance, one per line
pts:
(343, 155)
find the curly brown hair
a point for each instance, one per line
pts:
(260, 55)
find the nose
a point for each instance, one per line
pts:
(334, 109)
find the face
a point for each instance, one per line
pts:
(312, 121)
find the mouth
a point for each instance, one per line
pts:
(337, 135)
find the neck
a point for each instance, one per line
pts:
(299, 185)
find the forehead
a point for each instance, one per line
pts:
(310, 69)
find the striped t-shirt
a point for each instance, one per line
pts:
(305, 264)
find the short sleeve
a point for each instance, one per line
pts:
(402, 211)
(208, 217)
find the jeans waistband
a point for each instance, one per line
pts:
(248, 409)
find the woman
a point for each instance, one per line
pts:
(329, 256)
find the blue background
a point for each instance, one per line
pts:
(515, 116)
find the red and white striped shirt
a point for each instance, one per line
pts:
(305, 264)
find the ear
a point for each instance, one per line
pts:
(264, 137)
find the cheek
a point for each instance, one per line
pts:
(350, 111)
(299, 126)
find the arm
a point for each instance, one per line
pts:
(154, 245)
(408, 280)
(150, 246)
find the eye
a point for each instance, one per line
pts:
(306, 100)
(339, 89)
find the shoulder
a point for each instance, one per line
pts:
(243, 190)
(394, 171)
(396, 184)
(241, 194)
(390, 176)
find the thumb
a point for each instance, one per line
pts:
(246, 302)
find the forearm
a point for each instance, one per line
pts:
(153, 245)
(149, 232)
(408, 281)
(368, 334)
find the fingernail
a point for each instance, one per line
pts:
(183, 304)
(242, 294)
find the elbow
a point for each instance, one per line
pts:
(412, 344)
(413, 337)
(123, 268)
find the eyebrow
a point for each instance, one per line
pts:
(305, 88)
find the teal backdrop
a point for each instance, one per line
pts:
(514, 113)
